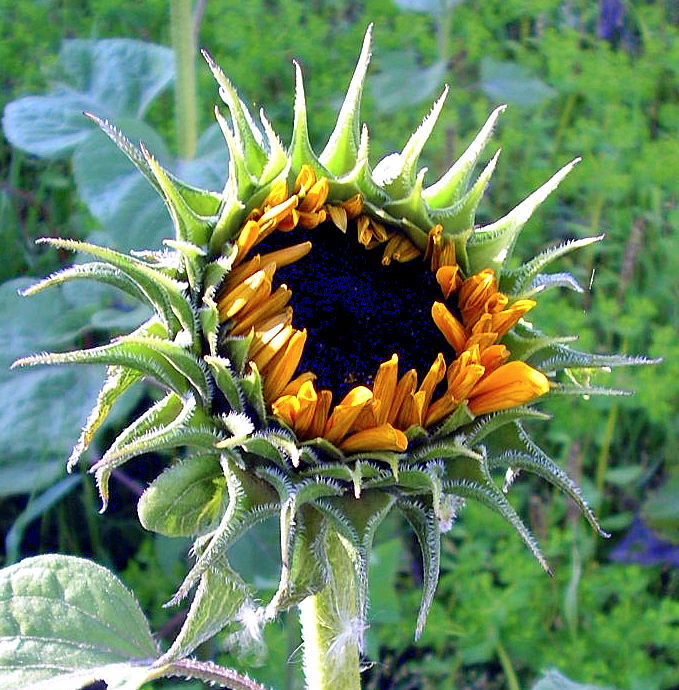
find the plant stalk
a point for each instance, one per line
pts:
(331, 631)
(186, 113)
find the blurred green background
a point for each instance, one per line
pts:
(595, 79)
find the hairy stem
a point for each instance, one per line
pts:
(330, 628)
(186, 114)
(207, 671)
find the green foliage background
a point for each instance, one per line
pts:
(573, 89)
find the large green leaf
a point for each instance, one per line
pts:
(43, 408)
(112, 77)
(66, 622)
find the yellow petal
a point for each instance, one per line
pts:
(453, 331)
(274, 347)
(281, 370)
(277, 195)
(338, 216)
(246, 240)
(384, 387)
(399, 248)
(511, 384)
(266, 331)
(315, 197)
(440, 408)
(474, 292)
(344, 414)
(286, 407)
(494, 356)
(312, 219)
(253, 290)
(353, 206)
(306, 179)
(254, 315)
(280, 210)
(383, 437)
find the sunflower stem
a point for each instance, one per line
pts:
(330, 627)
(186, 114)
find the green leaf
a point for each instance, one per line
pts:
(45, 408)
(112, 77)
(66, 622)
(509, 82)
(403, 83)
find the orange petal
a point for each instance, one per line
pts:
(404, 388)
(266, 331)
(494, 356)
(308, 398)
(287, 408)
(344, 414)
(448, 277)
(315, 197)
(312, 219)
(277, 195)
(453, 331)
(279, 211)
(320, 417)
(383, 437)
(506, 319)
(412, 410)
(293, 387)
(399, 248)
(511, 384)
(440, 408)
(434, 376)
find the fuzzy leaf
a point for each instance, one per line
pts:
(226, 381)
(66, 622)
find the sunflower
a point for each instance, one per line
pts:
(334, 341)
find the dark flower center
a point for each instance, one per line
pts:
(357, 311)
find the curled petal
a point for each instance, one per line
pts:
(383, 437)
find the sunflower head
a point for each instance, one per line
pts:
(336, 341)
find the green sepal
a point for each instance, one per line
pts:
(253, 392)
(492, 245)
(220, 599)
(247, 136)
(118, 380)
(453, 185)
(426, 527)
(163, 427)
(520, 282)
(356, 522)
(278, 157)
(586, 390)
(341, 152)
(101, 272)
(238, 347)
(445, 450)
(513, 448)
(460, 216)
(307, 572)
(477, 483)
(250, 500)
(395, 173)
(490, 423)
(163, 293)
(300, 152)
(200, 201)
(410, 207)
(459, 417)
(186, 499)
(226, 380)
(524, 340)
(188, 225)
(244, 181)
